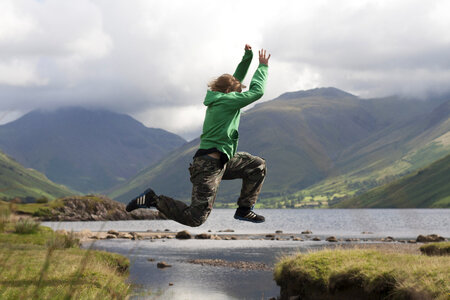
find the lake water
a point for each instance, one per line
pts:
(191, 281)
(399, 223)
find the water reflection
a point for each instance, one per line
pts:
(192, 281)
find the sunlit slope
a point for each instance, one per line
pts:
(418, 140)
(427, 188)
(17, 181)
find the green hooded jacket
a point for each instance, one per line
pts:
(220, 128)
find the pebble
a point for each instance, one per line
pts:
(203, 236)
(124, 236)
(184, 235)
(162, 265)
(331, 239)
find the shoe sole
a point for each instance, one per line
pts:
(248, 220)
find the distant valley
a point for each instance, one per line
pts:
(323, 147)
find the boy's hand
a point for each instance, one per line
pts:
(262, 57)
(248, 47)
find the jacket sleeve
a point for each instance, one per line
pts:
(243, 66)
(236, 100)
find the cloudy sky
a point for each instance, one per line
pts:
(153, 59)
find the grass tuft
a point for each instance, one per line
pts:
(63, 241)
(48, 265)
(367, 274)
(442, 248)
(26, 226)
(5, 214)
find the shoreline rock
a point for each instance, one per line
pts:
(94, 208)
(431, 238)
(183, 235)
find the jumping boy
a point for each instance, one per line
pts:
(216, 158)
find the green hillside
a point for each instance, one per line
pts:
(306, 138)
(85, 149)
(17, 181)
(428, 187)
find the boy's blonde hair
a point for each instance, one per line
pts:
(226, 83)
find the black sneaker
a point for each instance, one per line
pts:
(247, 214)
(145, 200)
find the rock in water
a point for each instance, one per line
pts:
(331, 239)
(432, 238)
(162, 265)
(183, 235)
(114, 232)
(203, 236)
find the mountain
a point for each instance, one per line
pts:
(426, 188)
(17, 181)
(306, 138)
(86, 150)
(394, 151)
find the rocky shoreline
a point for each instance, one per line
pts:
(93, 208)
(229, 234)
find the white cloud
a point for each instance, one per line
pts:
(157, 56)
(8, 116)
(183, 120)
(14, 25)
(20, 73)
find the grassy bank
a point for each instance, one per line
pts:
(363, 274)
(32, 209)
(39, 264)
(442, 248)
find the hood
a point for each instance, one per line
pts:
(212, 97)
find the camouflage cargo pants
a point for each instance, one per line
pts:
(206, 174)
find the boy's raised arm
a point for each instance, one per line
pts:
(238, 100)
(243, 66)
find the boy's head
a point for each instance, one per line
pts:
(226, 83)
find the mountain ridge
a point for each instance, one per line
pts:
(301, 139)
(87, 150)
